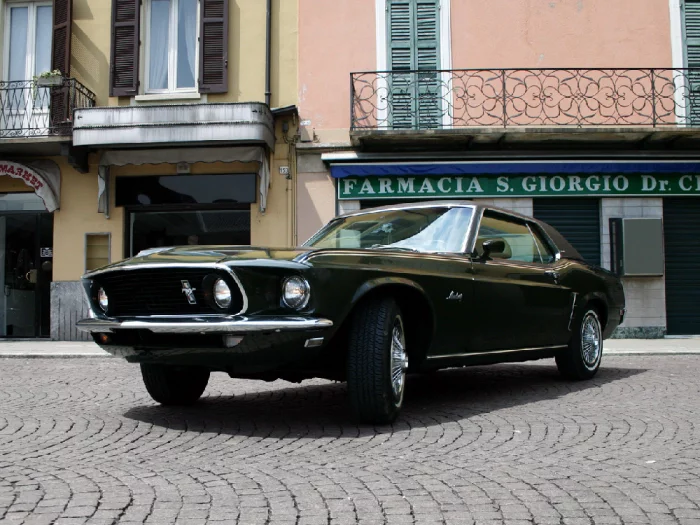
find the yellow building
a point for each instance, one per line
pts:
(169, 122)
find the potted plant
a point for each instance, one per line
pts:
(49, 78)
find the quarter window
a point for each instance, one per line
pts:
(172, 45)
(545, 251)
(519, 243)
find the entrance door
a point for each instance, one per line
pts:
(682, 249)
(26, 246)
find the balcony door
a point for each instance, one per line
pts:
(27, 53)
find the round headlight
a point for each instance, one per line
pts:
(222, 294)
(102, 299)
(296, 292)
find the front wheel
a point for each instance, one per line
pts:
(377, 361)
(581, 359)
(174, 385)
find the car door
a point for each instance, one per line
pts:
(517, 294)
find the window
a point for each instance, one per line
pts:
(519, 243)
(413, 229)
(413, 41)
(543, 247)
(28, 40)
(28, 33)
(97, 252)
(172, 46)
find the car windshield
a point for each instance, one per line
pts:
(430, 229)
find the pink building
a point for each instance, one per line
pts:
(574, 111)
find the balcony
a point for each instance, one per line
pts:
(468, 108)
(35, 117)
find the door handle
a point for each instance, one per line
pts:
(553, 274)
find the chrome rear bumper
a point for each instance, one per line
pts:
(228, 325)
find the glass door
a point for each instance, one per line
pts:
(26, 271)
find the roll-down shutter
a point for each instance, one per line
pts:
(682, 252)
(691, 38)
(578, 220)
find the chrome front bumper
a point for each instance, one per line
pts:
(229, 325)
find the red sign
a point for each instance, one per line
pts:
(18, 171)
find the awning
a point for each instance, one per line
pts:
(43, 176)
(256, 154)
(390, 169)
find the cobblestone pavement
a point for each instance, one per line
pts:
(80, 442)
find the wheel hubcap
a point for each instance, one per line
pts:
(590, 340)
(399, 360)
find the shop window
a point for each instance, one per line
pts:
(97, 250)
(154, 229)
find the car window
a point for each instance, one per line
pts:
(519, 243)
(545, 250)
(429, 229)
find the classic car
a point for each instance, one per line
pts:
(372, 296)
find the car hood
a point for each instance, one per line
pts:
(229, 255)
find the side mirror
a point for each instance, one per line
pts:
(493, 247)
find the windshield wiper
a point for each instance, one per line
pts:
(389, 247)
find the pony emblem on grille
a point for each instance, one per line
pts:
(189, 292)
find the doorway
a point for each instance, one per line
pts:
(26, 271)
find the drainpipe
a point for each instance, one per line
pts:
(268, 58)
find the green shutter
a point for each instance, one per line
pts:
(413, 29)
(691, 37)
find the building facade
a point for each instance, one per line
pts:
(130, 124)
(583, 113)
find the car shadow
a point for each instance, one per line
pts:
(321, 410)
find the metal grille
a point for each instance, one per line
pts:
(463, 98)
(160, 292)
(28, 109)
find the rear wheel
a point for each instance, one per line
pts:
(174, 385)
(377, 361)
(581, 359)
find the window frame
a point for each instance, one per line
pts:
(493, 214)
(172, 51)
(30, 59)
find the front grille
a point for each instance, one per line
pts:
(159, 291)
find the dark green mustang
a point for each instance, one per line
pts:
(373, 295)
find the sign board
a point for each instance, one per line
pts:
(32, 179)
(467, 187)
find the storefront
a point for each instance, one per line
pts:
(579, 198)
(28, 197)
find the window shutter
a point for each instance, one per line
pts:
(413, 45)
(60, 50)
(691, 34)
(59, 110)
(213, 46)
(124, 71)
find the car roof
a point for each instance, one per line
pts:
(566, 250)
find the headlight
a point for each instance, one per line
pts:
(102, 299)
(222, 294)
(296, 292)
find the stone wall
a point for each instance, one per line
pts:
(68, 306)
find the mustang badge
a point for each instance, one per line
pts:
(189, 292)
(454, 296)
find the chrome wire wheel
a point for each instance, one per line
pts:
(398, 362)
(591, 340)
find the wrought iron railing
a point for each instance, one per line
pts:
(464, 98)
(32, 109)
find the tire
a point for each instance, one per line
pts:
(582, 358)
(377, 344)
(171, 385)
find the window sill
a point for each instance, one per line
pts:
(169, 97)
